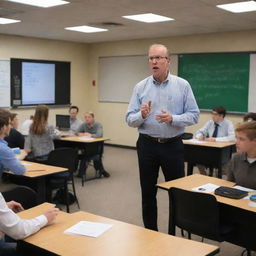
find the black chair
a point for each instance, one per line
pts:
(26, 196)
(187, 136)
(197, 213)
(67, 158)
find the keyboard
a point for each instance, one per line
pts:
(230, 192)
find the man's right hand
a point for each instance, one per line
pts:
(145, 109)
(51, 214)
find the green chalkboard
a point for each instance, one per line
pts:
(217, 79)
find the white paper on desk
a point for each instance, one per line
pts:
(88, 228)
(207, 188)
(26, 164)
(85, 138)
(244, 188)
(197, 141)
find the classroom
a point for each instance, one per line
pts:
(85, 57)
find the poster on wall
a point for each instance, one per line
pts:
(4, 83)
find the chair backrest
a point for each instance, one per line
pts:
(26, 196)
(187, 136)
(63, 157)
(198, 213)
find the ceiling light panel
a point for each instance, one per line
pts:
(148, 18)
(8, 21)
(40, 3)
(239, 7)
(86, 29)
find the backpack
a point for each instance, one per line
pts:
(60, 197)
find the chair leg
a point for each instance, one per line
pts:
(74, 190)
(66, 192)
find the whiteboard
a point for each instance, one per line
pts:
(119, 74)
(5, 83)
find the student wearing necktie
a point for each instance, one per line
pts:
(217, 129)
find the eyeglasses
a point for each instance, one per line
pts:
(157, 58)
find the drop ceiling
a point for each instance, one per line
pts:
(191, 17)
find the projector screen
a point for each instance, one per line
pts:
(36, 82)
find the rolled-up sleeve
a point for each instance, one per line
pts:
(15, 227)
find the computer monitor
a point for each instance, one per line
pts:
(63, 122)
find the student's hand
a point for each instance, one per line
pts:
(15, 206)
(210, 139)
(51, 214)
(145, 109)
(85, 134)
(164, 117)
(201, 138)
(22, 155)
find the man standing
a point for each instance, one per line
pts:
(74, 121)
(162, 105)
(92, 129)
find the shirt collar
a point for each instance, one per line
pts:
(164, 82)
(3, 141)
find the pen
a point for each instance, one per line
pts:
(35, 170)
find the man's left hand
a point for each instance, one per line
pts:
(210, 139)
(15, 206)
(164, 117)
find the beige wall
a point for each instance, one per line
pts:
(32, 48)
(84, 69)
(112, 114)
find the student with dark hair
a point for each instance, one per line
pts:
(8, 160)
(74, 121)
(249, 117)
(15, 138)
(217, 129)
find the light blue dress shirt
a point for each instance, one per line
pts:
(225, 131)
(174, 95)
(8, 160)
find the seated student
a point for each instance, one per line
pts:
(26, 125)
(249, 117)
(8, 161)
(17, 228)
(217, 129)
(74, 121)
(242, 167)
(91, 128)
(39, 142)
(15, 139)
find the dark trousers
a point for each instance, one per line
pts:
(152, 155)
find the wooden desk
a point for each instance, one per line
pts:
(122, 239)
(39, 172)
(236, 212)
(213, 154)
(91, 146)
(197, 180)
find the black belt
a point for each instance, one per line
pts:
(161, 140)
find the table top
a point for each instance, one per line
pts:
(215, 144)
(36, 169)
(122, 239)
(197, 180)
(83, 139)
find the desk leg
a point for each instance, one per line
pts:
(190, 169)
(41, 190)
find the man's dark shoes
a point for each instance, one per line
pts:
(105, 173)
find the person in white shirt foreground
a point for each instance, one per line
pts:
(15, 227)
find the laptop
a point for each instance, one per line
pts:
(63, 122)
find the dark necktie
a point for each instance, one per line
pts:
(215, 132)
